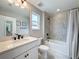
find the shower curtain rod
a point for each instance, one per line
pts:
(69, 9)
(74, 8)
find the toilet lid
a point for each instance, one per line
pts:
(43, 47)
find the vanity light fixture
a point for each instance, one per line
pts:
(10, 1)
(18, 3)
(58, 10)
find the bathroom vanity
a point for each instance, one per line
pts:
(26, 48)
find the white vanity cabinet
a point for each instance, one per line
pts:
(26, 51)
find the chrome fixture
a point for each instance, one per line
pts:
(19, 3)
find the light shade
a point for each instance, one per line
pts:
(10, 1)
(58, 10)
(19, 3)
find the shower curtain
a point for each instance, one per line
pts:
(72, 35)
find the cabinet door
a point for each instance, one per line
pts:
(33, 53)
(30, 54)
(22, 56)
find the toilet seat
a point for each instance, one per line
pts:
(43, 51)
(43, 48)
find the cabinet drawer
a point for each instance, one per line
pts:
(30, 54)
(22, 56)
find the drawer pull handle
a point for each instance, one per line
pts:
(26, 55)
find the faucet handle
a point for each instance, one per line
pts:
(14, 38)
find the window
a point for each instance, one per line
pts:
(35, 21)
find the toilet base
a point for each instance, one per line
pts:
(42, 56)
(43, 50)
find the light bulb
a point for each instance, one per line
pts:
(24, 3)
(19, 2)
(22, 6)
(10, 1)
(16, 4)
(58, 10)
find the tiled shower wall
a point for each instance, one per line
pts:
(58, 26)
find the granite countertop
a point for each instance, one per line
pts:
(11, 44)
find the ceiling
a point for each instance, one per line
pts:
(50, 6)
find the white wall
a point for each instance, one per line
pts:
(46, 25)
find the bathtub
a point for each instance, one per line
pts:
(57, 48)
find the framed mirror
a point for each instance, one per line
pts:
(8, 28)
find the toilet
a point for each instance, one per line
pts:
(43, 51)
